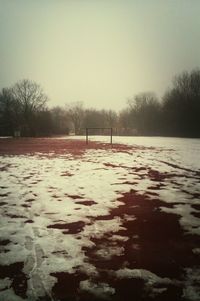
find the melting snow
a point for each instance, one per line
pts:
(102, 290)
(39, 194)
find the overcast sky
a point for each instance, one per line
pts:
(98, 51)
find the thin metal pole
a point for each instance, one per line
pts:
(86, 135)
(111, 136)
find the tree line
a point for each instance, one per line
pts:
(23, 108)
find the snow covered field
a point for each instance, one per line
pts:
(104, 224)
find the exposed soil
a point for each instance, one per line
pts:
(15, 272)
(72, 228)
(53, 146)
(154, 240)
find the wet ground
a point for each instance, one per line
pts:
(93, 223)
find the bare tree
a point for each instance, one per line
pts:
(29, 95)
(7, 112)
(76, 113)
(181, 105)
(144, 111)
(30, 99)
(60, 120)
(125, 122)
(111, 118)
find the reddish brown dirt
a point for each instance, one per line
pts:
(30, 200)
(196, 214)
(43, 145)
(3, 194)
(72, 228)
(4, 168)
(197, 206)
(15, 216)
(156, 243)
(86, 203)
(22, 146)
(15, 273)
(66, 174)
(4, 242)
(29, 221)
(74, 196)
(67, 286)
(26, 206)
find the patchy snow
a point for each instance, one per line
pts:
(188, 221)
(147, 276)
(192, 288)
(196, 251)
(9, 295)
(102, 290)
(51, 209)
(5, 283)
(108, 252)
(151, 280)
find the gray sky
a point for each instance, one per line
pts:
(98, 51)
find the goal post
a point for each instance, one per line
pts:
(88, 129)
